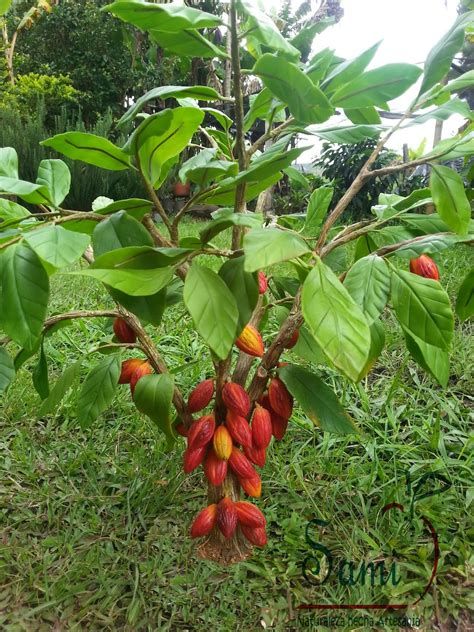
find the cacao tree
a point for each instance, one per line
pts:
(331, 314)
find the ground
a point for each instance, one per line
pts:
(94, 521)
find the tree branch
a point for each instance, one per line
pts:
(260, 142)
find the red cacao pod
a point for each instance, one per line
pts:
(236, 399)
(251, 486)
(279, 426)
(241, 465)
(204, 521)
(193, 457)
(280, 399)
(143, 369)
(249, 515)
(239, 428)
(181, 429)
(256, 455)
(215, 469)
(424, 266)
(250, 342)
(255, 535)
(128, 368)
(261, 427)
(293, 340)
(262, 282)
(201, 396)
(123, 331)
(201, 431)
(226, 517)
(222, 442)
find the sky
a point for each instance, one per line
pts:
(408, 30)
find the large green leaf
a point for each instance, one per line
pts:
(336, 321)
(453, 148)
(204, 167)
(265, 246)
(56, 246)
(465, 298)
(56, 177)
(363, 116)
(423, 309)
(24, 295)
(432, 359)
(8, 162)
(368, 282)
(350, 134)
(98, 390)
(318, 205)
(32, 193)
(92, 149)
(377, 86)
(7, 369)
(443, 113)
(119, 231)
(430, 244)
(149, 309)
(264, 30)
(319, 65)
(4, 6)
(153, 396)
(60, 388)
(244, 288)
(173, 17)
(188, 43)
(135, 207)
(306, 102)
(348, 70)
(450, 198)
(11, 211)
(262, 106)
(216, 226)
(377, 343)
(212, 307)
(466, 80)
(224, 194)
(140, 258)
(317, 400)
(132, 281)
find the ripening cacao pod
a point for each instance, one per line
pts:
(201, 431)
(249, 515)
(256, 455)
(255, 535)
(204, 521)
(143, 369)
(192, 458)
(222, 442)
(215, 469)
(236, 399)
(261, 427)
(128, 368)
(201, 396)
(280, 399)
(181, 429)
(262, 282)
(293, 340)
(251, 486)
(279, 426)
(226, 517)
(239, 428)
(250, 342)
(123, 331)
(241, 465)
(424, 266)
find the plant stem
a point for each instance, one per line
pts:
(272, 133)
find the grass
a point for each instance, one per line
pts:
(94, 522)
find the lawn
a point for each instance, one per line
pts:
(94, 521)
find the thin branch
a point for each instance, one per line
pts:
(161, 241)
(159, 207)
(269, 136)
(388, 250)
(54, 320)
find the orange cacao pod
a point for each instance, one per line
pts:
(255, 535)
(256, 455)
(215, 469)
(280, 399)
(123, 331)
(239, 428)
(262, 282)
(226, 517)
(201, 431)
(424, 266)
(279, 426)
(204, 521)
(236, 399)
(143, 369)
(241, 465)
(193, 457)
(128, 368)
(261, 427)
(201, 396)
(249, 515)
(222, 442)
(250, 342)
(251, 486)
(293, 340)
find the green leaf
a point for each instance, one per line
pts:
(7, 370)
(264, 30)
(40, 375)
(224, 194)
(153, 396)
(317, 400)
(450, 198)
(55, 176)
(92, 149)
(306, 102)
(318, 66)
(188, 43)
(336, 321)
(453, 148)
(265, 246)
(268, 164)
(212, 307)
(318, 205)
(119, 231)
(4, 6)
(8, 162)
(443, 113)
(32, 193)
(12, 211)
(244, 288)
(204, 168)
(135, 207)
(140, 258)
(350, 134)
(364, 246)
(377, 86)
(377, 343)
(432, 359)
(224, 121)
(174, 17)
(261, 107)
(363, 116)
(56, 246)
(368, 282)
(430, 244)
(441, 55)
(98, 390)
(465, 298)
(24, 296)
(308, 349)
(215, 227)
(149, 309)
(348, 70)
(59, 390)
(466, 80)
(296, 178)
(422, 308)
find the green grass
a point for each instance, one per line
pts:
(94, 522)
